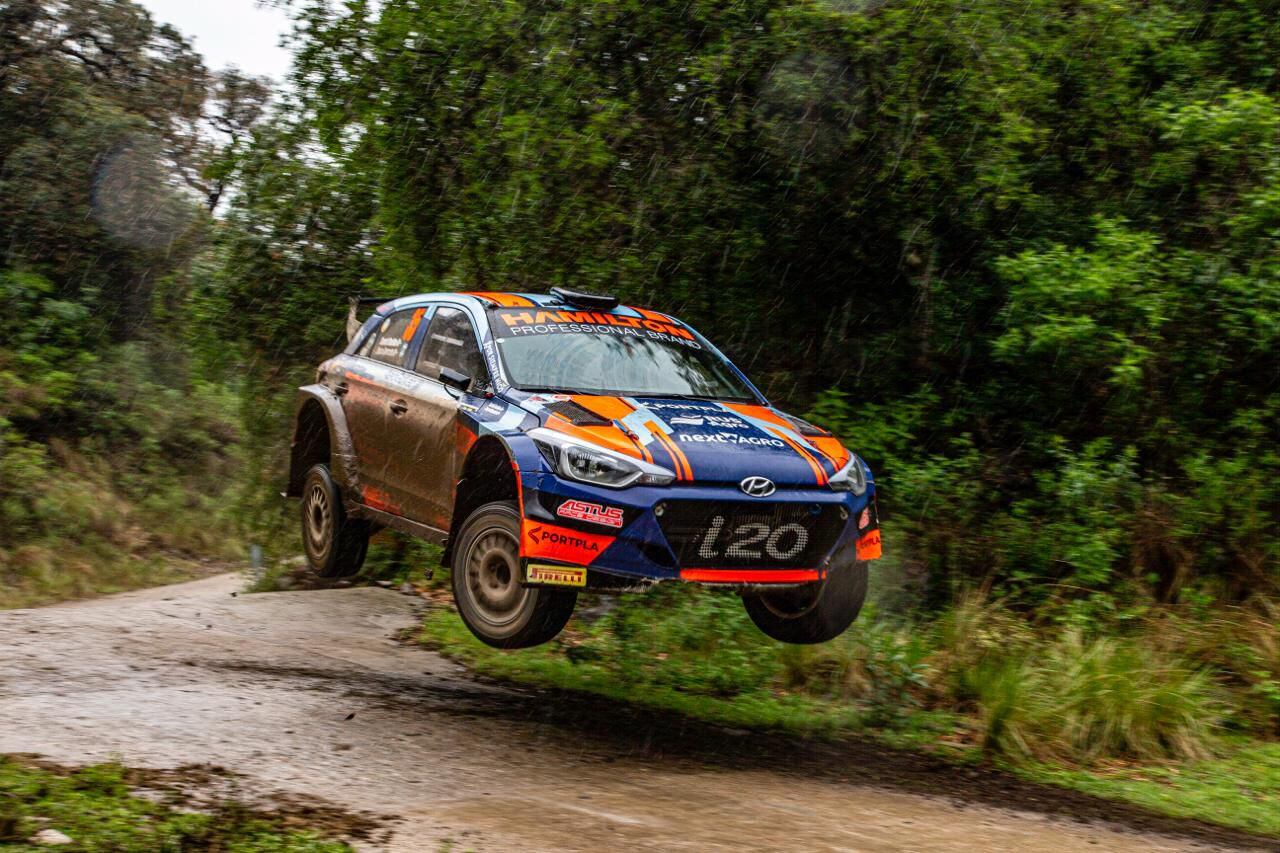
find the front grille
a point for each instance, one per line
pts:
(706, 534)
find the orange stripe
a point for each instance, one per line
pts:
(654, 315)
(751, 575)
(506, 300)
(684, 460)
(818, 473)
(413, 324)
(825, 455)
(763, 413)
(615, 409)
(679, 455)
(661, 439)
(520, 501)
(821, 452)
(608, 436)
(683, 470)
(784, 426)
(833, 450)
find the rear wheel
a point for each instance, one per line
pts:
(335, 545)
(813, 613)
(487, 587)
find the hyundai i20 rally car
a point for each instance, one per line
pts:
(561, 442)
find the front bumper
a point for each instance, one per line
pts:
(698, 533)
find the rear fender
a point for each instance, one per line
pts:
(315, 401)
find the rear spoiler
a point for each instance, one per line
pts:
(354, 304)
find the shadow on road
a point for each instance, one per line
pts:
(616, 731)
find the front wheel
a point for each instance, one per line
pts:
(813, 613)
(492, 600)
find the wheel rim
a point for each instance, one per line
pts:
(794, 602)
(493, 577)
(317, 519)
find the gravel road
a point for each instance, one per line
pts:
(309, 694)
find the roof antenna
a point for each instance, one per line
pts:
(353, 317)
(354, 303)
(581, 299)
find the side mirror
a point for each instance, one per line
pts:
(454, 379)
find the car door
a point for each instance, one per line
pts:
(374, 381)
(427, 434)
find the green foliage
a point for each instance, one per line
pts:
(1239, 789)
(1045, 290)
(117, 432)
(1093, 315)
(1040, 294)
(1116, 709)
(102, 462)
(1079, 700)
(876, 664)
(1159, 690)
(97, 809)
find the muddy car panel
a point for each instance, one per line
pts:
(410, 435)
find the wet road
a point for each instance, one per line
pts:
(309, 693)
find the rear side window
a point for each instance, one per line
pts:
(451, 343)
(389, 343)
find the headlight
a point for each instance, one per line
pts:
(587, 463)
(851, 478)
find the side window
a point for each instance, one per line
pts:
(451, 343)
(389, 342)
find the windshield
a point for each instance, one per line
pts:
(595, 353)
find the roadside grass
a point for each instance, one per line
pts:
(1121, 717)
(141, 498)
(393, 560)
(725, 674)
(99, 811)
(38, 575)
(554, 666)
(83, 530)
(1240, 789)
(1174, 711)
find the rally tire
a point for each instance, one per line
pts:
(488, 587)
(335, 545)
(813, 613)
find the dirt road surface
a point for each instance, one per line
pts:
(310, 694)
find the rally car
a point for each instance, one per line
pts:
(559, 442)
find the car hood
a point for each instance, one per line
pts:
(699, 440)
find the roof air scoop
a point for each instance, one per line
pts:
(578, 299)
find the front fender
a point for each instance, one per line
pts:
(318, 416)
(524, 453)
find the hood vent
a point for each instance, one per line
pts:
(805, 428)
(577, 415)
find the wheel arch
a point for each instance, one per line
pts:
(320, 435)
(489, 474)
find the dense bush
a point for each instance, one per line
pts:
(1044, 289)
(119, 441)
(1159, 688)
(103, 464)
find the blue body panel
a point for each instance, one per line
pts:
(711, 447)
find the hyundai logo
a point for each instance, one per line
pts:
(758, 487)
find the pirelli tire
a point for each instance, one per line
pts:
(489, 591)
(335, 545)
(812, 613)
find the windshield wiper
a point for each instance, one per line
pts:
(695, 397)
(650, 396)
(555, 391)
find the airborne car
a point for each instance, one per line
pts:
(554, 443)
